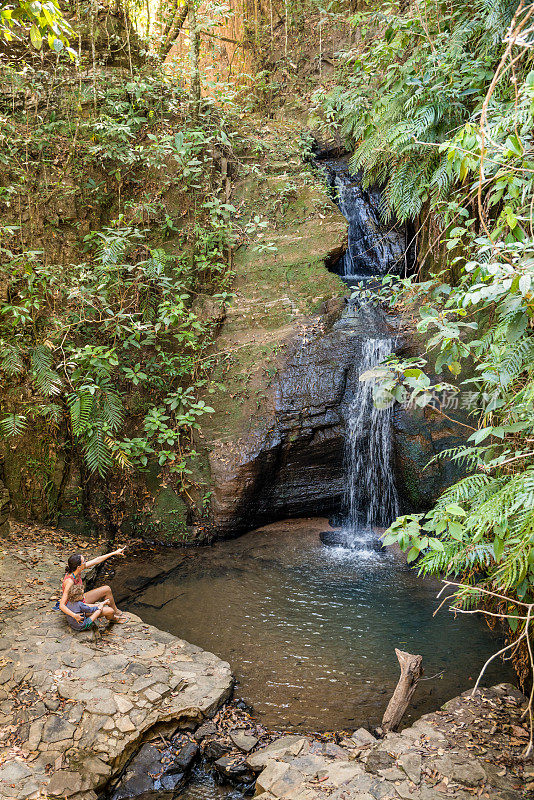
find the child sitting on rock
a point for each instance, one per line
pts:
(89, 613)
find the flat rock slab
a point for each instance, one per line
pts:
(470, 747)
(74, 706)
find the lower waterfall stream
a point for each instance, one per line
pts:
(371, 495)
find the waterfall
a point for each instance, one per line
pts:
(371, 496)
(374, 248)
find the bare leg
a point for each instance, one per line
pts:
(102, 593)
(109, 614)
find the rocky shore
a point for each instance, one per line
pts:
(74, 708)
(469, 748)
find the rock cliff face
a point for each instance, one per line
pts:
(275, 447)
(419, 436)
(292, 463)
(275, 444)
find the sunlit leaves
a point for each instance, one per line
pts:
(36, 20)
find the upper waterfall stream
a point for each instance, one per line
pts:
(374, 248)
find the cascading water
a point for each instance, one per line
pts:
(371, 496)
(374, 249)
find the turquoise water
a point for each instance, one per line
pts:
(310, 631)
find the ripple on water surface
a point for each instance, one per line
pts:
(310, 630)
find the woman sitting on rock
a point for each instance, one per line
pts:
(73, 575)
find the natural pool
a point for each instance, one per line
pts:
(310, 630)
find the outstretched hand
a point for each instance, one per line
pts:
(120, 551)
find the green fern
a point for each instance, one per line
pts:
(81, 405)
(11, 360)
(46, 380)
(97, 451)
(13, 425)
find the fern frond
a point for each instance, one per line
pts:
(111, 409)
(81, 404)
(45, 378)
(96, 451)
(11, 360)
(13, 425)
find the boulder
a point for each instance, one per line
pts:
(137, 778)
(378, 760)
(184, 757)
(213, 749)
(465, 770)
(292, 745)
(340, 772)
(280, 779)
(234, 768)
(410, 763)
(362, 738)
(243, 740)
(155, 768)
(207, 729)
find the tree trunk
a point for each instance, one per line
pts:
(174, 29)
(411, 670)
(164, 17)
(194, 34)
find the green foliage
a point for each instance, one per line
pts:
(485, 522)
(116, 329)
(422, 75)
(140, 305)
(13, 424)
(494, 537)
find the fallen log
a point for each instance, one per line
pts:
(411, 671)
